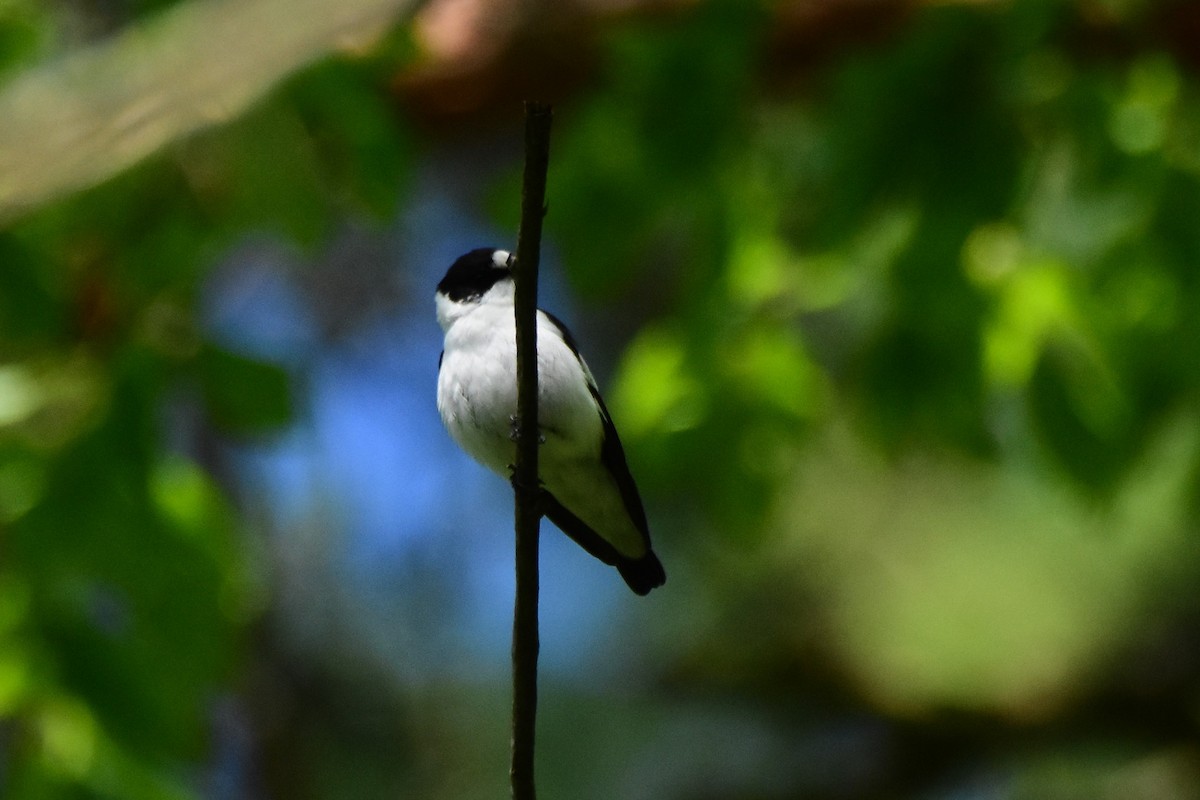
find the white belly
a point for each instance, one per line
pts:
(477, 394)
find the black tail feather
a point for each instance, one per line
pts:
(642, 574)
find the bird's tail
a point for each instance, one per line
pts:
(643, 574)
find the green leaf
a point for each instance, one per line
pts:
(244, 395)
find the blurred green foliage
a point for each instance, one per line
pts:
(125, 583)
(911, 394)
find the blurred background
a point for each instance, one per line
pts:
(895, 302)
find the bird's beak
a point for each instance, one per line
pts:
(512, 259)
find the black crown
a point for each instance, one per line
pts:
(472, 275)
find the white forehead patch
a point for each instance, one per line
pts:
(500, 258)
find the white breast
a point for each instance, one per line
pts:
(477, 396)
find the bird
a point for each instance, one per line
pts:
(587, 490)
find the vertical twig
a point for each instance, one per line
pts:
(525, 474)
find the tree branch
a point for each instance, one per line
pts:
(525, 476)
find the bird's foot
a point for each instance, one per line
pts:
(514, 430)
(534, 494)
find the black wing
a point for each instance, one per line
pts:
(565, 333)
(641, 574)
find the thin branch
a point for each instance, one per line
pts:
(525, 476)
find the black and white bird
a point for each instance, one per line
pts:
(588, 491)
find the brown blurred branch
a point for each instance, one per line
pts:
(80, 119)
